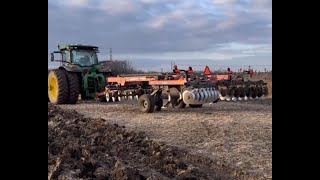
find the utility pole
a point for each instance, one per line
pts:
(110, 54)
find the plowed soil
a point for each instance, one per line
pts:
(226, 140)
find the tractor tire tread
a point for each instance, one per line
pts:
(63, 86)
(73, 87)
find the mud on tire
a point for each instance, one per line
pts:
(58, 79)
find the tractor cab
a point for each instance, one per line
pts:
(81, 55)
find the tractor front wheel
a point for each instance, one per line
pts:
(146, 103)
(58, 87)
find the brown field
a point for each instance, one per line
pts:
(226, 140)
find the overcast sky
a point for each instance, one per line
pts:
(152, 33)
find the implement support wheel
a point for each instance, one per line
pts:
(146, 103)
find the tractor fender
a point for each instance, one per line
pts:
(71, 68)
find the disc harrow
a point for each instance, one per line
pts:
(246, 90)
(233, 87)
(180, 88)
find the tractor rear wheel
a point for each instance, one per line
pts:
(83, 95)
(74, 87)
(146, 103)
(58, 87)
(48, 91)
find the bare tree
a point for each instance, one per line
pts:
(122, 67)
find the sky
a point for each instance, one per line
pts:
(153, 34)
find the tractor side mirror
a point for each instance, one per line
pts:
(52, 56)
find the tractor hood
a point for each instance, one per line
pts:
(94, 68)
(72, 68)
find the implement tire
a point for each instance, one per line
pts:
(146, 103)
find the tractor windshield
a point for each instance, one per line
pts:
(84, 57)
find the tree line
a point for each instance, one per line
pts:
(122, 67)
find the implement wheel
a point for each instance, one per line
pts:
(58, 90)
(146, 103)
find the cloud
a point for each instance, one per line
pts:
(153, 2)
(123, 7)
(71, 3)
(221, 30)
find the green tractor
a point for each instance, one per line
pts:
(80, 72)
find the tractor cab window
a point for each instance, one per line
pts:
(65, 56)
(84, 57)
